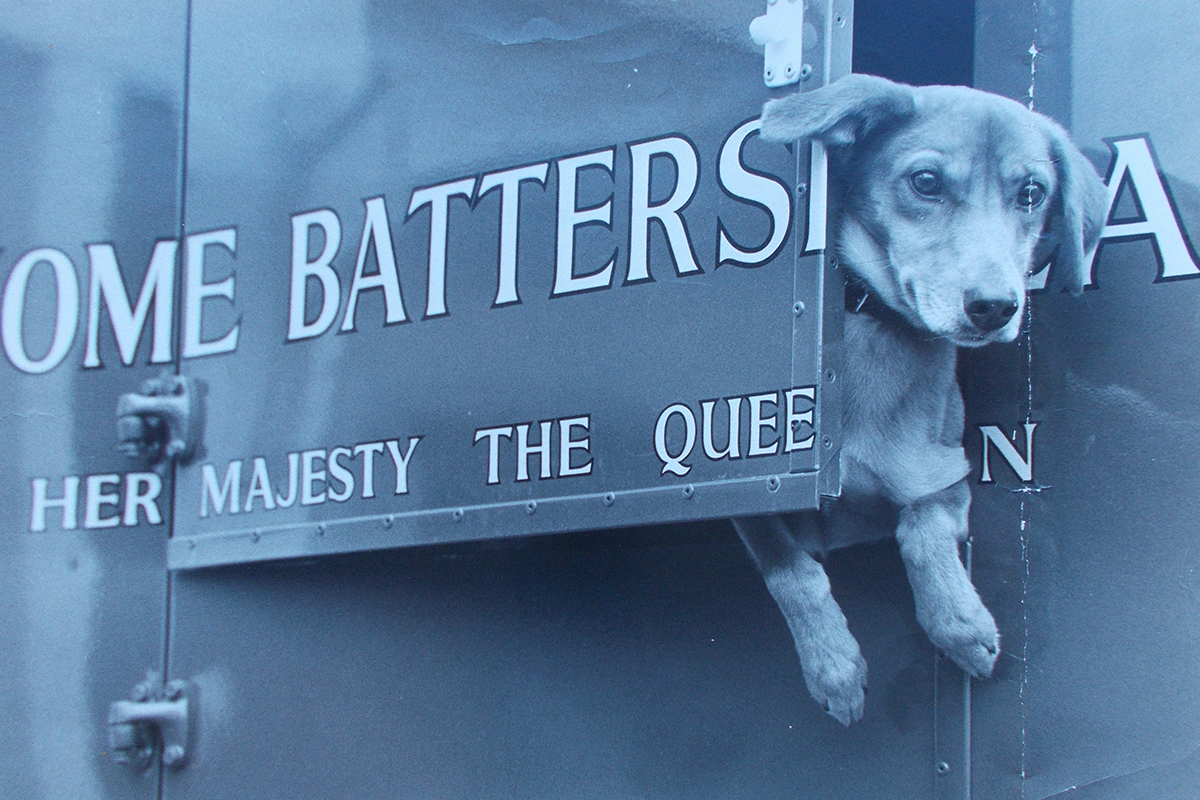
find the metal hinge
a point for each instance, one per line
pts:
(154, 722)
(163, 421)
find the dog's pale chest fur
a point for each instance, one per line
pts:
(902, 427)
(902, 418)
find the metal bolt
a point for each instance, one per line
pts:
(942, 768)
(806, 72)
(457, 515)
(173, 755)
(688, 491)
(609, 499)
(531, 507)
(174, 690)
(827, 441)
(141, 693)
(388, 520)
(773, 483)
(797, 308)
(802, 188)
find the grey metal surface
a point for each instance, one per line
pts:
(90, 100)
(1093, 573)
(639, 663)
(336, 105)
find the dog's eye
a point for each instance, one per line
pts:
(1031, 195)
(926, 182)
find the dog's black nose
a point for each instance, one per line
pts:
(990, 315)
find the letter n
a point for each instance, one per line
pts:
(1022, 465)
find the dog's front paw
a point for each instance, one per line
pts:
(968, 635)
(836, 676)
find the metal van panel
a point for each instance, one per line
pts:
(1090, 569)
(90, 105)
(334, 105)
(555, 515)
(637, 663)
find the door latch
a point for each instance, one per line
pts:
(163, 421)
(781, 32)
(154, 722)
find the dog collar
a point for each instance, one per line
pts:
(862, 299)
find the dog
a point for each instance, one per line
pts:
(948, 198)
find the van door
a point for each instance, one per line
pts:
(91, 105)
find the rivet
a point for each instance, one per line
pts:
(827, 441)
(191, 544)
(806, 72)
(802, 188)
(798, 308)
(531, 507)
(840, 20)
(830, 375)
(388, 520)
(141, 693)
(688, 491)
(609, 499)
(773, 483)
(173, 690)
(942, 768)
(172, 755)
(320, 530)
(457, 515)
(255, 536)
(790, 69)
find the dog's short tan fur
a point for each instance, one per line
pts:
(949, 196)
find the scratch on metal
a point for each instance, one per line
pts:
(1124, 774)
(30, 415)
(1034, 51)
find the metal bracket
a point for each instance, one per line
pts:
(152, 722)
(162, 422)
(952, 723)
(781, 32)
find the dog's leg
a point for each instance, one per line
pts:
(948, 607)
(834, 669)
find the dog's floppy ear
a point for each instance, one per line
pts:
(839, 114)
(1077, 216)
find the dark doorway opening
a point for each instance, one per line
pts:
(916, 41)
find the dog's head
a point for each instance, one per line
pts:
(952, 197)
